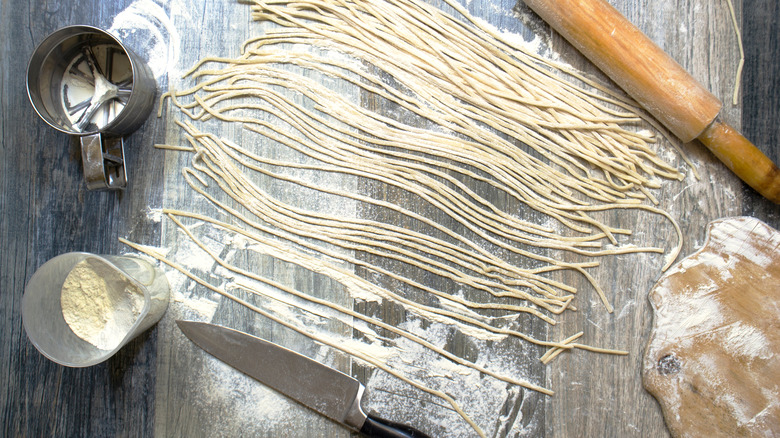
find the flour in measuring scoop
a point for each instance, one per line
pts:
(99, 304)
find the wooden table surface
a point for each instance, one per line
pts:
(160, 385)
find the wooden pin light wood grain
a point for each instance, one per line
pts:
(659, 84)
(713, 358)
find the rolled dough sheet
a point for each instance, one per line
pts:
(713, 359)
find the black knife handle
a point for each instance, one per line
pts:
(381, 428)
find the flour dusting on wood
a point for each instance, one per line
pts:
(713, 360)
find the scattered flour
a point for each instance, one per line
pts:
(225, 389)
(99, 304)
(201, 307)
(746, 340)
(154, 214)
(714, 313)
(192, 257)
(150, 31)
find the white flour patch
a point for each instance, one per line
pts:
(192, 257)
(535, 45)
(746, 241)
(745, 340)
(150, 32)
(154, 214)
(226, 389)
(191, 306)
(706, 317)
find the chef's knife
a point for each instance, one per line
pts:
(319, 387)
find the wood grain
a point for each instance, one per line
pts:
(712, 358)
(154, 386)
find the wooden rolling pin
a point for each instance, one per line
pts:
(659, 84)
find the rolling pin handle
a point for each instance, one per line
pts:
(743, 158)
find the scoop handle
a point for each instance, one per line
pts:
(658, 83)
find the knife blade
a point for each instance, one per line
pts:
(325, 390)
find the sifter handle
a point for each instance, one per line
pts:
(103, 160)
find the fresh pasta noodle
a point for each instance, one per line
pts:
(452, 117)
(741, 63)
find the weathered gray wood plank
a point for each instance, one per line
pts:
(47, 211)
(161, 385)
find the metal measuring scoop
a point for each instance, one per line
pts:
(84, 82)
